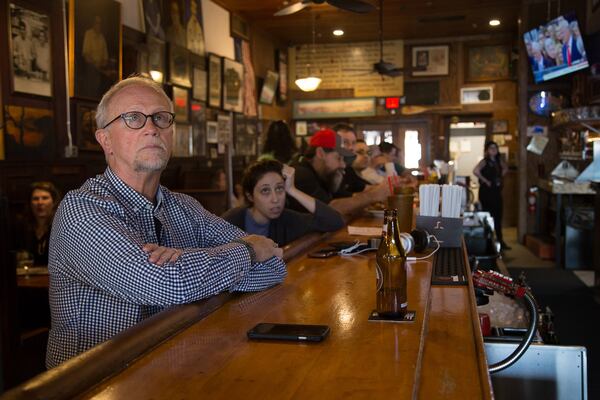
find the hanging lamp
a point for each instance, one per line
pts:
(311, 82)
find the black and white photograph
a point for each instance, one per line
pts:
(30, 50)
(199, 90)
(212, 132)
(182, 145)
(153, 19)
(198, 117)
(233, 85)
(96, 62)
(193, 27)
(214, 80)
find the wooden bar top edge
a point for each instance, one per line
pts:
(83, 372)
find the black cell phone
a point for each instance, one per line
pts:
(294, 332)
(324, 253)
(342, 245)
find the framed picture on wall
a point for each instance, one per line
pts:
(238, 27)
(487, 63)
(214, 81)
(28, 132)
(233, 85)
(269, 87)
(212, 135)
(193, 26)
(143, 66)
(153, 19)
(182, 140)
(181, 104)
(30, 51)
(199, 90)
(198, 116)
(430, 60)
(156, 58)
(499, 126)
(85, 126)
(94, 47)
(282, 66)
(179, 66)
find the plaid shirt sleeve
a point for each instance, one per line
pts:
(98, 245)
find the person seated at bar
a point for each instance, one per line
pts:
(265, 185)
(123, 247)
(33, 234)
(318, 172)
(351, 181)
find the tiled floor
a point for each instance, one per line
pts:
(520, 256)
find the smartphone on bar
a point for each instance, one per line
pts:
(294, 332)
(324, 253)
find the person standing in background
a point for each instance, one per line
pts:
(279, 144)
(490, 171)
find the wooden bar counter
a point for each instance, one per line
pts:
(439, 355)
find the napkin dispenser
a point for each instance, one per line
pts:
(448, 231)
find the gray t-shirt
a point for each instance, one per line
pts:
(253, 227)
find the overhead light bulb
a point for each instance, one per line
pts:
(157, 76)
(308, 84)
(494, 22)
(338, 32)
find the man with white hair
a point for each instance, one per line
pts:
(571, 54)
(123, 247)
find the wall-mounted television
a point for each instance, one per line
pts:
(556, 48)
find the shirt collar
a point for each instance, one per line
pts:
(133, 197)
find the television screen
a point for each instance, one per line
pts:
(556, 48)
(268, 89)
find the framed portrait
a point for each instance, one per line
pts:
(179, 66)
(94, 47)
(30, 51)
(487, 63)
(224, 129)
(269, 87)
(212, 135)
(214, 80)
(430, 60)
(193, 27)
(199, 89)
(181, 103)
(153, 19)
(238, 27)
(156, 58)
(85, 126)
(282, 69)
(175, 31)
(499, 126)
(198, 117)
(28, 132)
(182, 142)
(233, 85)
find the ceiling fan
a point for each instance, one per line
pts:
(356, 6)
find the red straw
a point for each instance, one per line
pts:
(390, 184)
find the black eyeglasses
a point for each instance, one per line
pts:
(137, 119)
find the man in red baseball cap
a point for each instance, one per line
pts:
(319, 170)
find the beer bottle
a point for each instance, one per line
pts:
(390, 264)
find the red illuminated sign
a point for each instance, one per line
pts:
(392, 102)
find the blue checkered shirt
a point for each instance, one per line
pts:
(101, 281)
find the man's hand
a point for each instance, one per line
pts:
(378, 192)
(161, 255)
(264, 247)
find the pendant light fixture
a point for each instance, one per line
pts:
(310, 82)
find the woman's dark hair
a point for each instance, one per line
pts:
(255, 172)
(279, 142)
(489, 144)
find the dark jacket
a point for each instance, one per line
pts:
(292, 224)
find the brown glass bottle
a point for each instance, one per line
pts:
(390, 264)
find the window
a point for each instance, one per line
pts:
(412, 149)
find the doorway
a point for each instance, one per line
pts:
(466, 150)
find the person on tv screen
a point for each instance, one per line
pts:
(570, 51)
